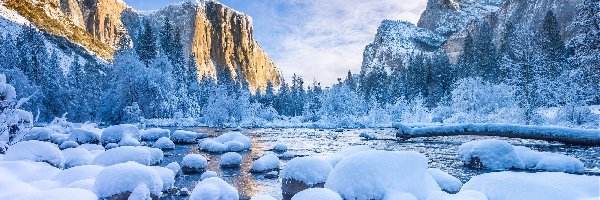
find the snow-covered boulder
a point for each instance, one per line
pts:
(123, 178)
(370, 174)
(164, 143)
(78, 173)
(141, 192)
(61, 194)
(235, 146)
(462, 195)
(68, 144)
(156, 155)
(184, 137)
(175, 167)
(337, 157)
(545, 161)
(317, 193)
(27, 171)
(265, 164)
(92, 147)
(214, 188)
(491, 154)
(446, 181)
(153, 134)
(129, 141)
(36, 151)
(114, 134)
(280, 148)
(541, 185)
(263, 197)
(235, 136)
(287, 155)
(83, 136)
(303, 173)
(38, 133)
(208, 174)
(231, 160)
(77, 157)
(212, 146)
(193, 163)
(167, 176)
(122, 155)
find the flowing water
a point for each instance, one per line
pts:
(441, 151)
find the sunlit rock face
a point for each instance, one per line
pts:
(220, 38)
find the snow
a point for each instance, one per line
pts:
(92, 147)
(140, 192)
(28, 171)
(462, 195)
(446, 181)
(111, 146)
(235, 136)
(164, 143)
(184, 137)
(212, 146)
(234, 146)
(317, 193)
(231, 159)
(79, 173)
(399, 195)
(287, 155)
(167, 176)
(337, 157)
(125, 177)
(77, 157)
(36, 151)
(208, 174)
(214, 188)
(492, 154)
(266, 163)
(194, 161)
(122, 155)
(280, 148)
(367, 136)
(114, 134)
(154, 134)
(175, 167)
(38, 133)
(371, 174)
(156, 155)
(61, 194)
(83, 136)
(129, 141)
(542, 185)
(561, 134)
(308, 170)
(68, 144)
(11, 187)
(263, 197)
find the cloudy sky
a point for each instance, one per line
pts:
(316, 39)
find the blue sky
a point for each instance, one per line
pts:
(317, 39)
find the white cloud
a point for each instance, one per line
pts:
(322, 39)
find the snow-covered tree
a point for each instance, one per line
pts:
(147, 48)
(14, 122)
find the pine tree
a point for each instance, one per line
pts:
(485, 54)
(350, 81)
(585, 46)
(298, 95)
(467, 61)
(147, 49)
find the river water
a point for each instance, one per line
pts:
(441, 151)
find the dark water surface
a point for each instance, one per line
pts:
(441, 151)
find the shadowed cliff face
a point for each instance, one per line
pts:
(220, 38)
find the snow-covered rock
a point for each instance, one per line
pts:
(317, 193)
(36, 151)
(545, 161)
(68, 144)
(122, 155)
(280, 148)
(193, 163)
(129, 141)
(235, 136)
(175, 167)
(491, 154)
(38, 133)
(77, 157)
(337, 157)
(214, 188)
(184, 137)
(462, 195)
(212, 146)
(542, 185)
(83, 136)
(231, 160)
(287, 155)
(156, 155)
(78, 173)
(208, 174)
(92, 147)
(446, 181)
(167, 176)
(164, 143)
(153, 134)
(27, 171)
(125, 177)
(141, 192)
(114, 134)
(308, 170)
(235, 146)
(370, 174)
(265, 163)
